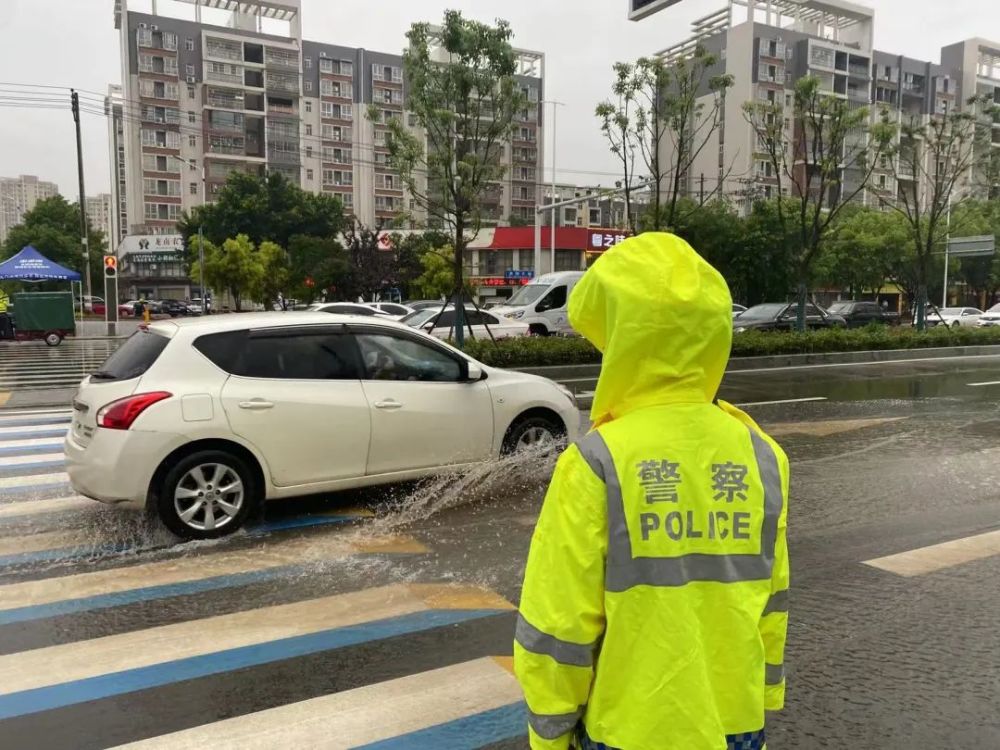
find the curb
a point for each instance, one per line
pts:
(790, 361)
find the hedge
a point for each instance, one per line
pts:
(536, 351)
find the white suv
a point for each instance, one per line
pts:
(200, 419)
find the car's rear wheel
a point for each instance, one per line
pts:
(206, 495)
(532, 433)
(53, 339)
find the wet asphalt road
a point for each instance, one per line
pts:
(898, 457)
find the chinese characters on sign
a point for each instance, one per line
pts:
(498, 281)
(605, 240)
(518, 274)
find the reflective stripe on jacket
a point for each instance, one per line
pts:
(655, 599)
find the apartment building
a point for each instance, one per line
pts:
(114, 111)
(235, 87)
(18, 195)
(769, 46)
(100, 214)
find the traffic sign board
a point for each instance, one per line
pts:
(968, 247)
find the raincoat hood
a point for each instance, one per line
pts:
(662, 318)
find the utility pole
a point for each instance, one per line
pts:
(75, 102)
(701, 191)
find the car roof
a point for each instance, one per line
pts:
(240, 321)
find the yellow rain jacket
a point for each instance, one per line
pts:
(655, 600)
(4, 301)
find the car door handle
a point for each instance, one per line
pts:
(388, 404)
(257, 404)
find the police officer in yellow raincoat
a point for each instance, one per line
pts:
(655, 600)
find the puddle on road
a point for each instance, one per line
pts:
(109, 534)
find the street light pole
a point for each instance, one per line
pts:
(552, 248)
(84, 241)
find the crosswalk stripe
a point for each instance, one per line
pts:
(496, 725)
(23, 447)
(421, 703)
(29, 430)
(22, 413)
(42, 459)
(21, 510)
(15, 483)
(939, 556)
(28, 421)
(25, 543)
(63, 675)
(33, 600)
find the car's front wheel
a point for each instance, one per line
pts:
(956, 324)
(533, 432)
(206, 495)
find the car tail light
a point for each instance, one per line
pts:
(120, 414)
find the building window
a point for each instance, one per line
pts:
(308, 62)
(346, 68)
(309, 85)
(309, 174)
(309, 152)
(189, 69)
(190, 92)
(348, 199)
(193, 141)
(309, 107)
(309, 129)
(325, 66)
(191, 117)
(194, 188)
(189, 44)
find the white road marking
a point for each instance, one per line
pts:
(41, 507)
(353, 718)
(783, 401)
(980, 385)
(27, 429)
(19, 416)
(14, 483)
(38, 458)
(938, 556)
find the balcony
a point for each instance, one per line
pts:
(224, 99)
(278, 156)
(282, 84)
(219, 75)
(281, 59)
(223, 49)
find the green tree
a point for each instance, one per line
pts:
(822, 162)
(263, 208)
(52, 227)
(761, 267)
(979, 217)
(317, 266)
(463, 95)
(438, 277)
(617, 124)
(864, 248)
(234, 267)
(938, 163)
(409, 250)
(274, 273)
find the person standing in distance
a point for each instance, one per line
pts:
(655, 601)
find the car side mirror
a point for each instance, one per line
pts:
(474, 372)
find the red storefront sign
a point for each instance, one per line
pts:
(497, 281)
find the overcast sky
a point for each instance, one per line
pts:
(73, 43)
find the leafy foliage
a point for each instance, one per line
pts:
(234, 266)
(52, 227)
(263, 208)
(463, 95)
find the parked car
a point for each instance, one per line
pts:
(859, 314)
(174, 307)
(738, 310)
(95, 305)
(442, 324)
(347, 308)
(425, 304)
(990, 318)
(781, 316)
(542, 304)
(273, 405)
(397, 311)
(954, 317)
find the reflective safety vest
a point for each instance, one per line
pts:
(4, 301)
(655, 600)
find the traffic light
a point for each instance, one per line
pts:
(110, 267)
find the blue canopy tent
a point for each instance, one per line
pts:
(31, 265)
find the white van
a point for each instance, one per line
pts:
(542, 303)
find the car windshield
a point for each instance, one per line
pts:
(952, 310)
(994, 309)
(840, 308)
(764, 312)
(528, 295)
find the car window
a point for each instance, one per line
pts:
(972, 311)
(554, 300)
(388, 357)
(349, 310)
(393, 309)
(320, 355)
(134, 357)
(812, 310)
